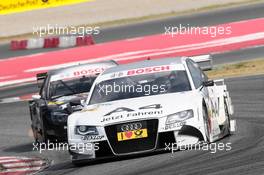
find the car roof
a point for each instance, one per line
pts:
(146, 63)
(93, 64)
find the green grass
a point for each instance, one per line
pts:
(245, 68)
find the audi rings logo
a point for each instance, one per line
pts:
(131, 127)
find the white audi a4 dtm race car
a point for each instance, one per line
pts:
(140, 107)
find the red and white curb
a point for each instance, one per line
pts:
(52, 42)
(21, 165)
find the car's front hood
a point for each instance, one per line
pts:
(72, 100)
(136, 108)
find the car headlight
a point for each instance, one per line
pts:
(86, 130)
(179, 116)
(59, 117)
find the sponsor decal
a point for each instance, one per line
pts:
(77, 73)
(88, 72)
(130, 131)
(117, 75)
(141, 71)
(90, 109)
(129, 135)
(155, 109)
(92, 137)
(147, 70)
(175, 125)
(121, 109)
(55, 103)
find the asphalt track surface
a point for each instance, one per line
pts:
(157, 26)
(245, 157)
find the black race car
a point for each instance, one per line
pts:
(62, 92)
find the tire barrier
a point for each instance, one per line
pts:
(18, 45)
(52, 42)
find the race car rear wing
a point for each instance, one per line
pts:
(204, 61)
(41, 78)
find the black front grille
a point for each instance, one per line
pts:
(134, 145)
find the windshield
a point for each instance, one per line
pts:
(140, 85)
(66, 87)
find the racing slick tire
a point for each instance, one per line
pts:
(78, 163)
(42, 136)
(206, 124)
(228, 118)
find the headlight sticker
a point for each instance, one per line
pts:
(174, 125)
(92, 137)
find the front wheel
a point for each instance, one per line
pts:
(41, 136)
(79, 162)
(206, 124)
(227, 118)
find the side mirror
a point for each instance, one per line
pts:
(208, 83)
(79, 102)
(36, 97)
(83, 102)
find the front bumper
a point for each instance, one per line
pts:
(156, 140)
(105, 149)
